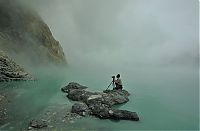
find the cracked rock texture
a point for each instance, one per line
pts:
(10, 71)
(99, 104)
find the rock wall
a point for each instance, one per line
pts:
(10, 71)
(26, 37)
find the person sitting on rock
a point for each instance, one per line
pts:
(118, 83)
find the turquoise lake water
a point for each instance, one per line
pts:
(164, 98)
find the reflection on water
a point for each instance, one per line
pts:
(164, 99)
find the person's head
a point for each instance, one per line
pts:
(118, 76)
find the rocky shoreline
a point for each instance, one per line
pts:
(99, 104)
(85, 104)
(52, 118)
(10, 71)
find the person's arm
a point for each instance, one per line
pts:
(117, 81)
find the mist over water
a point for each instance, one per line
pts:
(152, 44)
(163, 98)
(118, 32)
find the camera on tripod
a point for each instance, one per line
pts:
(112, 82)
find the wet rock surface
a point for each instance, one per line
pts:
(124, 115)
(99, 103)
(81, 109)
(71, 86)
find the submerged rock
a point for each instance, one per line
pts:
(37, 124)
(55, 117)
(99, 103)
(10, 71)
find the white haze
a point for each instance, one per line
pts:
(124, 33)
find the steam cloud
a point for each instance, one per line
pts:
(124, 32)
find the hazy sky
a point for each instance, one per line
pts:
(124, 32)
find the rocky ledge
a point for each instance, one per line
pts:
(10, 71)
(99, 104)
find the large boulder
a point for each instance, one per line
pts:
(123, 115)
(100, 110)
(77, 92)
(122, 92)
(113, 97)
(79, 95)
(99, 103)
(103, 111)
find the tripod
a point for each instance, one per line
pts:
(112, 83)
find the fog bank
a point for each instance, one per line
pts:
(131, 33)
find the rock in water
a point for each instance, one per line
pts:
(37, 124)
(124, 115)
(72, 86)
(99, 103)
(10, 71)
(26, 37)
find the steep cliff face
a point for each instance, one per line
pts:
(25, 36)
(10, 71)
